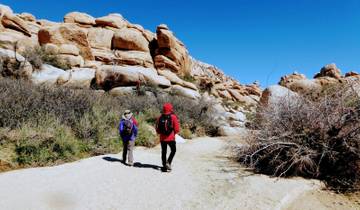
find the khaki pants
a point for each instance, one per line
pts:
(128, 147)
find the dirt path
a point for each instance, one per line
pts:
(202, 178)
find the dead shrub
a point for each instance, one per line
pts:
(314, 139)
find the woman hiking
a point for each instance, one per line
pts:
(128, 131)
(167, 126)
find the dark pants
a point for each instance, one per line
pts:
(172, 145)
(128, 147)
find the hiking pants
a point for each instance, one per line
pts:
(128, 147)
(172, 145)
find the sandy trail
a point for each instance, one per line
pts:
(202, 178)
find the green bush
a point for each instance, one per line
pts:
(186, 133)
(146, 135)
(46, 143)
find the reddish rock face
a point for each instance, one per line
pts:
(130, 39)
(170, 52)
(16, 23)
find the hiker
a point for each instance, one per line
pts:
(128, 131)
(167, 126)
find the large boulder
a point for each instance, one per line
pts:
(46, 23)
(123, 91)
(112, 20)
(276, 95)
(174, 79)
(80, 77)
(69, 49)
(133, 58)
(67, 33)
(8, 38)
(186, 92)
(71, 60)
(171, 53)
(14, 22)
(232, 131)
(146, 33)
(34, 28)
(50, 75)
(300, 84)
(329, 70)
(80, 18)
(27, 17)
(5, 10)
(130, 39)
(100, 38)
(103, 56)
(108, 77)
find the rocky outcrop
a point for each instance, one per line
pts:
(329, 70)
(186, 92)
(170, 52)
(211, 79)
(109, 77)
(11, 21)
(130, 39)
(111, 20)
(134, 58)
(113, 55)
(67, 33)
(100, 38)
(328, 76)
(275, 95)
(79, 18)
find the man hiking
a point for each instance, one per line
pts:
(128, 131)
(167, 126)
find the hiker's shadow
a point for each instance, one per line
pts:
(136, 164)
(141, 165)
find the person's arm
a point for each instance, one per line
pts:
(156, 125)
(176, 124)
(135, 131)
(121, 127)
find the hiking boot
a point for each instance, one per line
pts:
(168, 166)
(164, 169)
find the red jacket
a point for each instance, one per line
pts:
(135, 121)
(167, 109)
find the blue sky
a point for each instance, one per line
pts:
(249, 39)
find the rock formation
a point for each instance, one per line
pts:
(114, 55)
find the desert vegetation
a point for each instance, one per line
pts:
(42, 125)
(310, 138)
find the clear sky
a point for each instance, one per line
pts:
(249, 39)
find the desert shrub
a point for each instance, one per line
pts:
(11, 67)
(34, 55)
(37, 56)
(189, 78)
(46, 125)
(147, 135)
(46, 143)
(192, 114)
(186, 133)
(22, 100)
(315, 139)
